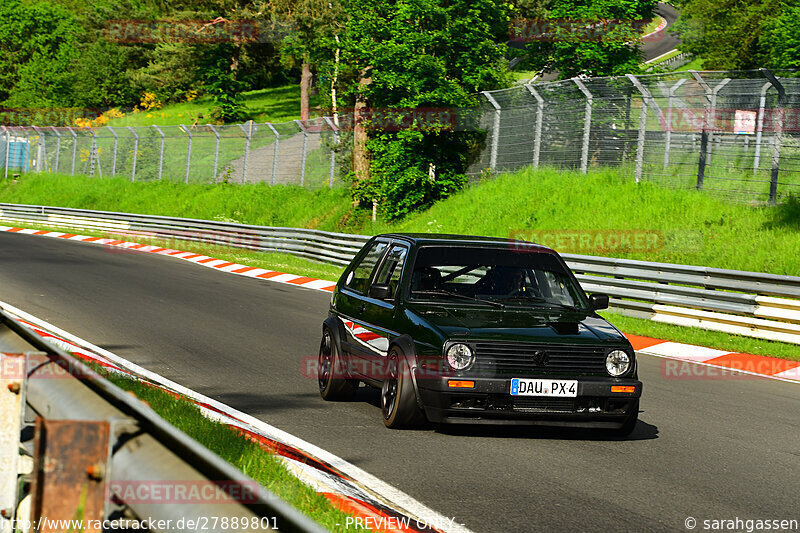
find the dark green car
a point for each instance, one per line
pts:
(475, 330)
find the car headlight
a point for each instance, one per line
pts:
(618, 362)
(459, 356)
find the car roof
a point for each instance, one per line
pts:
(446, 239)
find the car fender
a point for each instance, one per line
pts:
(337, 332)
(406, 343)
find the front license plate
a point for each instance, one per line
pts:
(544, 387)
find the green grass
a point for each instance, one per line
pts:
(694, 64)
(667, 56)
(276, 104)
(697, 228)
(246, 455)
(250, 204)
(694, 228)
(652, 25)
(702, 337)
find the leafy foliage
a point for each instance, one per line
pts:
(430, 54)
(598, 38)
(732, 35)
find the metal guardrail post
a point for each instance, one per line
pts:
(335, 132)
(74, 149)
(495, 130)
(587, 124)
(642, 126)
(304, 152)
(776, 146)
(188, 153)
(58, 148)
(12, 405)
(274, 153)
(114, 155)
(537, 141)
(247, 134)
(135, 152)
(762, 103)
(161, 152)
(670, 99)
(216, 152)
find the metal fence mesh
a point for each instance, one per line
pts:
(730, 133)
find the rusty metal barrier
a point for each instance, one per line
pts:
(74, 447)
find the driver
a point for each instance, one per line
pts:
(505, 280)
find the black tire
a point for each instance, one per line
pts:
(333, 385)
(630, 423)
(398, 400)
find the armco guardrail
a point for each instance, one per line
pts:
(99, 454)
(746, 303)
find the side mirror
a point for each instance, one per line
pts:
(598, 301)
(380, 292)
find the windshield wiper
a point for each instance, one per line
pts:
(440, 292)
(538, 299)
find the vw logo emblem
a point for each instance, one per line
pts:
(540, 358)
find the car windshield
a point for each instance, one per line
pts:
(509, 277)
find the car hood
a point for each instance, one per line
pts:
(519, 324)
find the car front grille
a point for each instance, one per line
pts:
(519, 359)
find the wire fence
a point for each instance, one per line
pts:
(297, 152)
(731, 133)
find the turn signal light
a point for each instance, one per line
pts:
(623, 388)
(461, 384)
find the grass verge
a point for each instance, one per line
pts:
(232, 446)
(275, 104)
(693, 228)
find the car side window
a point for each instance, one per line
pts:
(392, 267)
(358, 279)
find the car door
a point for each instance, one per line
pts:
(369, 328)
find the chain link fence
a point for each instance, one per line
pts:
(731, 133)
(298, 152)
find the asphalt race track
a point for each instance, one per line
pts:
(706, 448)
(664, 41)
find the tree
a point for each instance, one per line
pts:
(38, 46)
(308, 26)
(727, 34)
(412, 68)
(576, 37)
(781, 40)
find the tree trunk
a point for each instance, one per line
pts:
(305, 89)
(360, 159)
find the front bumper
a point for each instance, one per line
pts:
(490, 402)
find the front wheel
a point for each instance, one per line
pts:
(398, 399)
(333, 384)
